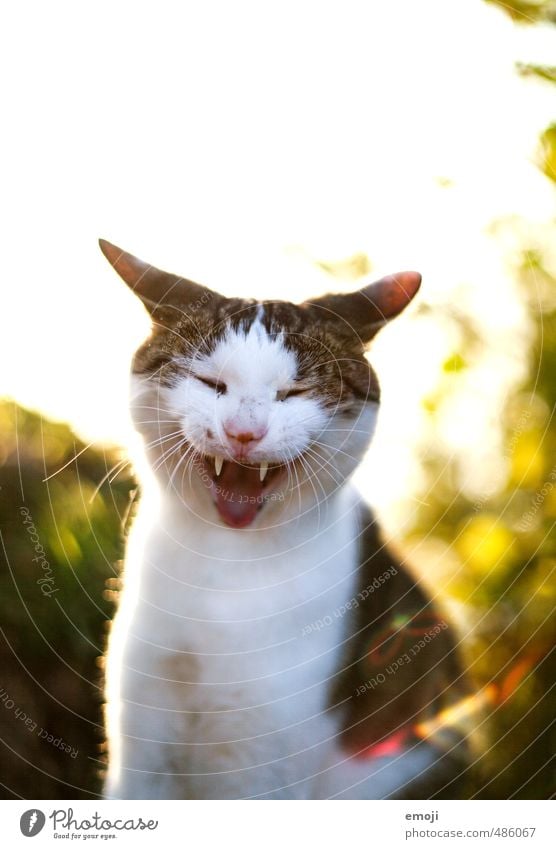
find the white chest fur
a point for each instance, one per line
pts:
(222, 681)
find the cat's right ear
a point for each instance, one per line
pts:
(163, 294)
(369, 309)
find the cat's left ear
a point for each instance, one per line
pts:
(163, 294)
(367, 310)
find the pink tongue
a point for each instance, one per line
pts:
(238, 494)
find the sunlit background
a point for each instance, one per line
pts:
(281, 150)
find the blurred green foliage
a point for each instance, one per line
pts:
(528, 11)
(504, 543)
(503, 549)
(542, 72)
(56, 607)
(535, 12)
(548, 152)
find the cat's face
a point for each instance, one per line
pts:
(255, 412)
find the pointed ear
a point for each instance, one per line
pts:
(156, 289)
(367, 310)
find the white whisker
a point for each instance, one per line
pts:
(122, 463)
(79, 453)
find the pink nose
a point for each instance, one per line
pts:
(244, 437)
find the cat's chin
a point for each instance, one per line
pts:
(240, 491)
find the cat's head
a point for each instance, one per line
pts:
(253, 412)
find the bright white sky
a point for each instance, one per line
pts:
(236, 142)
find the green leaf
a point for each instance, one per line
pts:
(454, 363)
(544, 72)
(527, 11)
(548, 152)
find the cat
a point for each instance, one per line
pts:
(267, 644)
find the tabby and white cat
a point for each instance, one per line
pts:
(267, 644)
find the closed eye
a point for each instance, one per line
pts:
(218, 386)
(282, 394)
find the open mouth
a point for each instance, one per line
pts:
(240, 490)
